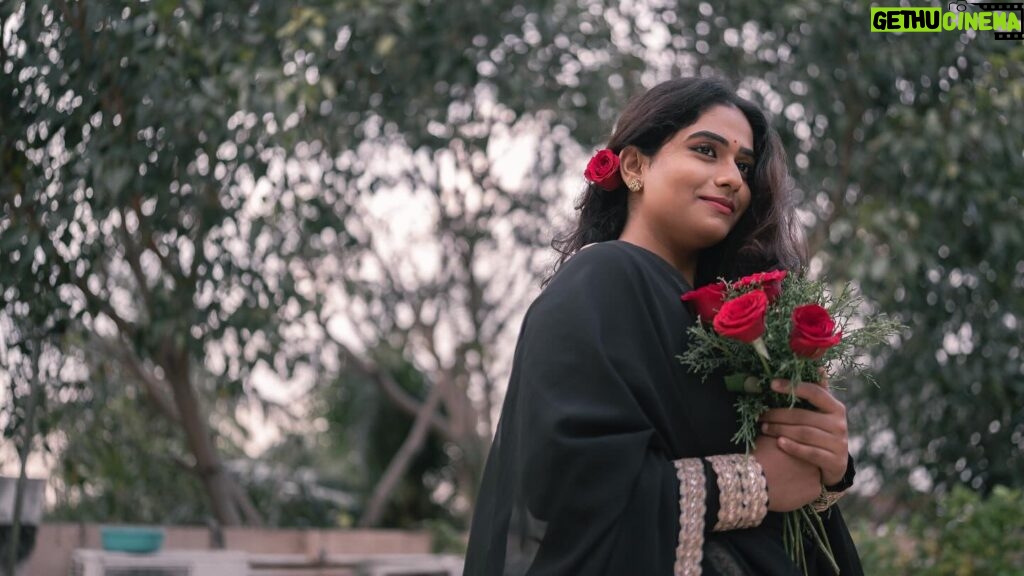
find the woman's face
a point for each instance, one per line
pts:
(695, 188)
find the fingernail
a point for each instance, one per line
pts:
(764, 428)
(778, 385)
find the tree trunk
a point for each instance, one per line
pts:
(400, 463)
(465, 421)
(23, 453)
(218, 484)
(475, 450)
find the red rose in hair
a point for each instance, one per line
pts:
(706, 300)
(742, 318)
(603, 170)
(770, 282)
(812, 332)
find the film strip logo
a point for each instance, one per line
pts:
(1018, 7)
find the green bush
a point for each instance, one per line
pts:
(965, 534)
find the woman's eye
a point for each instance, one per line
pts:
(746, 168)
(704, 149)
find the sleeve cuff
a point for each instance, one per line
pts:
(728, 492)
(832, 493)
(692, 503)
(743, 491)
(847, 480)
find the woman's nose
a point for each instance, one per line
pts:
(730, 176)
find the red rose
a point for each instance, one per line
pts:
(742, 318)
(812, 332)
(706, 300)
(770, 282)
(603, 170)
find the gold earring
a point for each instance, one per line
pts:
(634, 185)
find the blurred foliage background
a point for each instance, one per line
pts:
(265, 262)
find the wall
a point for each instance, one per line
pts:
(56, 542)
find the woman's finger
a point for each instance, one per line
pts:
(812, 454)
(832, 466)
(834, 424)
(818, 396)
(798, 417)
(808, 435)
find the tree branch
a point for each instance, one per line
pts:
(157, 391)
(150, 244)
(132, 253)
(76, 22)
(400, 463)
(388, 385)
(400, 398)
(100, 304)
(204, 229)
(165, 264)
(251, 515)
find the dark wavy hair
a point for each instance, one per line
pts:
(764, 237)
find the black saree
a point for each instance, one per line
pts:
(580, 479)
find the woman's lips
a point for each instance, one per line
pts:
(721, 205)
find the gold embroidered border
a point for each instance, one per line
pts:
(692, 493)
(743, 491)
(757, 489)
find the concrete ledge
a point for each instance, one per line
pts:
(56, 542)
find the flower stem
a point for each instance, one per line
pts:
(762, 355)
(817, 529)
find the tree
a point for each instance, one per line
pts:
(137, 137)
(440, 96)
(27, 347)
(118, 459)
(192, 183)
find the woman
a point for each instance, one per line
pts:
(610, 457)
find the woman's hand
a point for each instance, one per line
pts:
(819, 438)
(792, 483)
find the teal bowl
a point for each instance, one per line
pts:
(135, 539)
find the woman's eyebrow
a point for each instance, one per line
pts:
(717, 138)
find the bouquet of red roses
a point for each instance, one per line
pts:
(777, 325)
